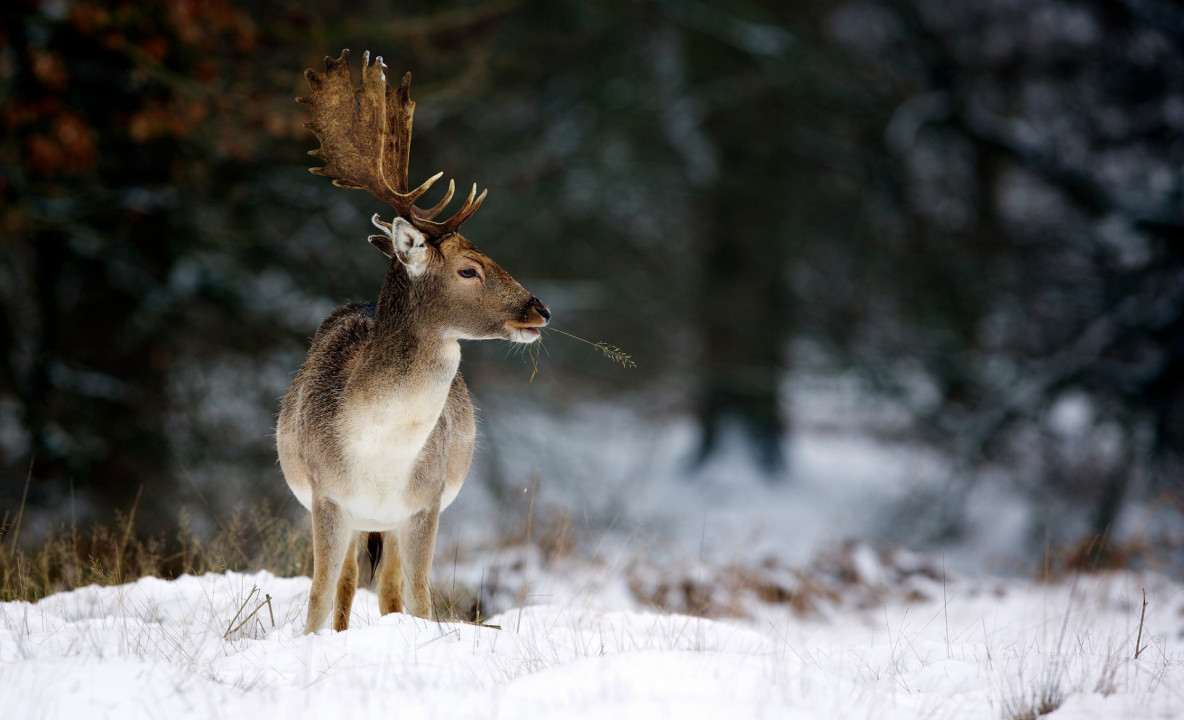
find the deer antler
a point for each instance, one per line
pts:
(365, 136)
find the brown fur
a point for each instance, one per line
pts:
(376, 432)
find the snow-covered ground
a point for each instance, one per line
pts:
(963, 648)
(768, 608)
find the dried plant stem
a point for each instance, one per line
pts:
(534, 351)
(267, 601)
(230, 627)
(20, 513)
(612, 352)
(1139, 647)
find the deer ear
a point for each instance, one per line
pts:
(401, 241)
(384, 245)
(410, 246)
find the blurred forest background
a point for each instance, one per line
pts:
(971, 211)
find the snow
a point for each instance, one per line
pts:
(770, 608)
(156, 648)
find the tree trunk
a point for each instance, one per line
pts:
(742, 314)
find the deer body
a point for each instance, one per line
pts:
(376, 433)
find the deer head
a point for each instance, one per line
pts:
(365, 138)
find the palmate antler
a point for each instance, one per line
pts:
(365, 136)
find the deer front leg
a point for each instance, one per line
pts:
(417, 543)
(390, 576)
(330, 541)
(347, 585)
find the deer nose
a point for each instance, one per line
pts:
(540, 308)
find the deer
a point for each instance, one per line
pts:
(375, 436)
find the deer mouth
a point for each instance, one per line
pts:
(523, 332)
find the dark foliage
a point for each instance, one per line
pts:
(975, 207)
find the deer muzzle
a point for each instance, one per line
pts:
(534, 317)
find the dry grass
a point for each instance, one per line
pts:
(1153, 546)
(70, 556)
(834, 578)
(110, 554)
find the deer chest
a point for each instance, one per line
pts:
(383, 442)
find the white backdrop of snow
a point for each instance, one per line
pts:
(156, 648)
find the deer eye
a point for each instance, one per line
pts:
(467, 273)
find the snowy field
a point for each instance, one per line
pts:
(768, 609)
(215, 646)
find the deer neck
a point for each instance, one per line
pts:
(407, 340)
(396, 395)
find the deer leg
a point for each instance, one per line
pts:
(330, 541)
(347, 585)
(417, 543)
(390, 576)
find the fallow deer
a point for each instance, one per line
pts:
(376, 433)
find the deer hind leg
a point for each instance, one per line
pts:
(417, 543)
(330, 541)
(390, 576)
(347, 585)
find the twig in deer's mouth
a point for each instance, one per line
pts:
(612, 352)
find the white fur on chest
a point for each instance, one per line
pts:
(382, 437)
